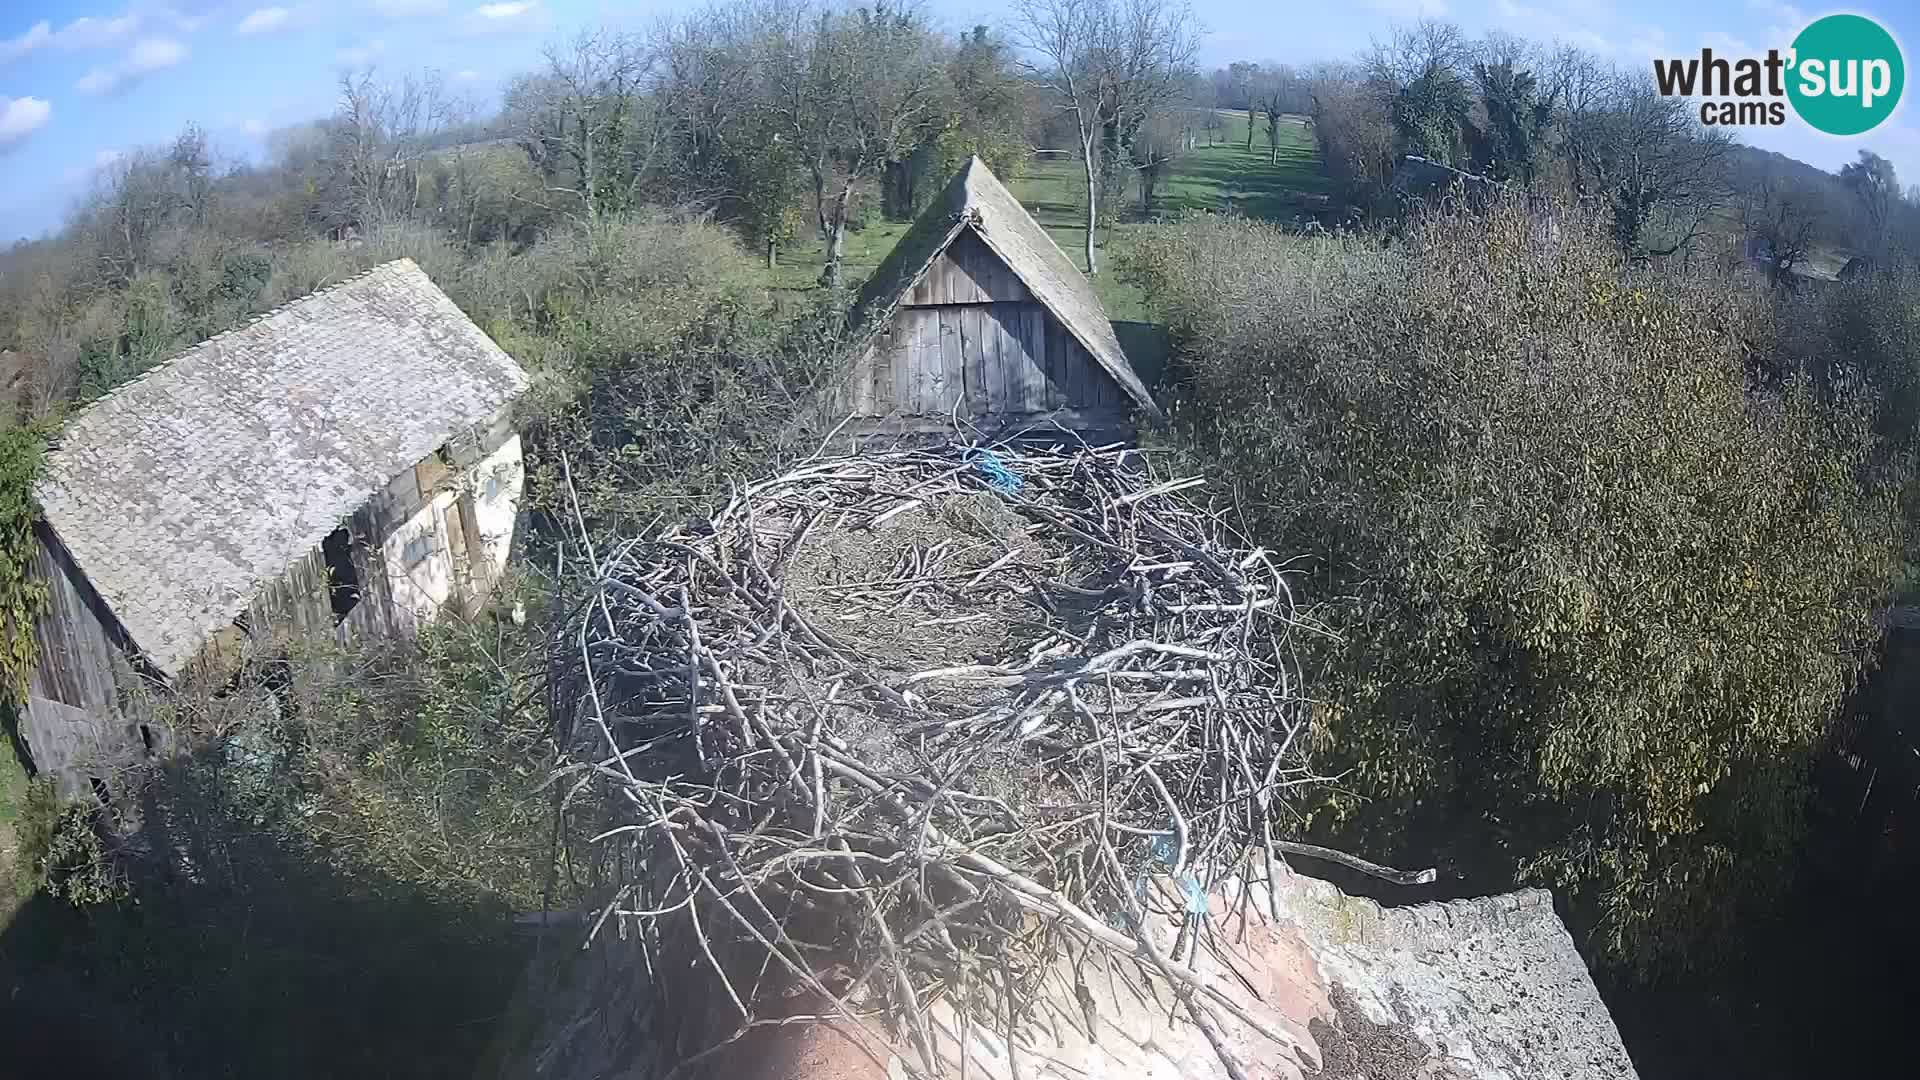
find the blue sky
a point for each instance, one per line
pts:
(82, 81)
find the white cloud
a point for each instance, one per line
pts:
(1410, 9)
(145, 58)
(85, 32)
(264, 21)
(1727, 45)
(505, 16)
(104, 159)
(360, 55)
(253, 129)
(465, 75)
(155, 54)
(406, 9)
(88, 32)
(40, 33)
(21, 117)
(1552, 24)
(97, 81)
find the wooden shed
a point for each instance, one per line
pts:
(978, 322)
(341, 467)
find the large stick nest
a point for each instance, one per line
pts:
(906, 728)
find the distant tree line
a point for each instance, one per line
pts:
(1562, 120)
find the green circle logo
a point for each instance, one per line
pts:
(1847, 74)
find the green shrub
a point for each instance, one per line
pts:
(1596, 600)
(1863, 337)
(22, 599)
(667, 368)
(61, 849)
(410, 764)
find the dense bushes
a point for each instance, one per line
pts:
(1596, 600)
(325, 865)
(670, 369)
(1863, 337)
(415, 764)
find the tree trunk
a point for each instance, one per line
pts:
(1249, 129)
(837, 238)
(820, 202)
(773, 254)
(1093, 198)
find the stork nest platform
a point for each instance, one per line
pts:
(890, 736)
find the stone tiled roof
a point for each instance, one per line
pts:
(179, 494)
(976, 199)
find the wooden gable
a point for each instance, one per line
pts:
(967, 272)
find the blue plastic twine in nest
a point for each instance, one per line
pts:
(999, 477)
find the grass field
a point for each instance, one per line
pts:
(1258, 185)
(1053, 189)
(800, 266)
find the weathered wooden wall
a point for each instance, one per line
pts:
(74, 712)
(968, 272)
(970, 341)
(299, 601)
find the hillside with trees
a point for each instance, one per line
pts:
(1599, 460)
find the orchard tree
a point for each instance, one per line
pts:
(854, 90)
(589, 121)
(1111, 65)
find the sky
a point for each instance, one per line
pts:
(84, 81)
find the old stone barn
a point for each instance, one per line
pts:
(343, 466)
(978, 323)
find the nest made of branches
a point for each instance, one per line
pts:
(904, 728)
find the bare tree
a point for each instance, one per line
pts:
(1661, 175)
(375, 128)
(1274, 91)
(589, 121)
(145, 195)
(1111, 64)
(853, 89)
(1783, 217)
(1418, 51)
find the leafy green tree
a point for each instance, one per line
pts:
(1595, 602)
(1517, 121)
(1430, 114)
(22, 598)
